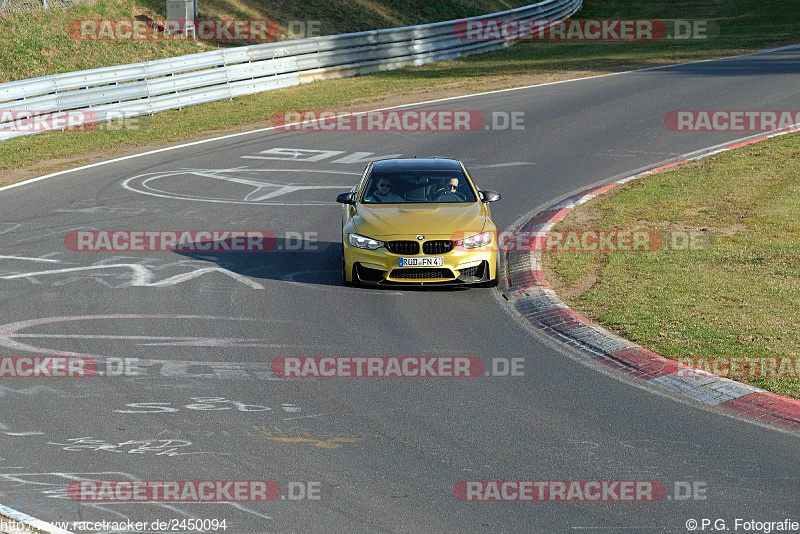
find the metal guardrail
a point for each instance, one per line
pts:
(173, 83)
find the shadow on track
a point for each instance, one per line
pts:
(290, 260)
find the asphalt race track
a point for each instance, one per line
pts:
(378, 455)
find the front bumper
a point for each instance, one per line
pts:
(381, 267)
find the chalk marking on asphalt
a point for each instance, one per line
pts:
(254, 197)
(43, 260)
(142, 276)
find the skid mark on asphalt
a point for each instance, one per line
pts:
(333, 443)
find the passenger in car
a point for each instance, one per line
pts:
(383, 193)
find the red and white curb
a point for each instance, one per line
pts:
(531, 297)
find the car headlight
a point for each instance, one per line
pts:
(368, 243)
(478, 240)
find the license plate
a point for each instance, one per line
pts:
(422, 262)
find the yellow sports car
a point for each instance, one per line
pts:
(418, 221)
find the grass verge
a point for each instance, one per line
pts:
(736, 298)
(38, 43)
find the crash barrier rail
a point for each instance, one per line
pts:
(153, 86)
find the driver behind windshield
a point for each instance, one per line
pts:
(450, 187)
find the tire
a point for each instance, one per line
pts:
(354, 279)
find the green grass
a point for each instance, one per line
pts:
(37, 44)
(737, 298)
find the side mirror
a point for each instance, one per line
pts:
(346, 198)
(490, 196)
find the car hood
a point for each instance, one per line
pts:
(384, 221)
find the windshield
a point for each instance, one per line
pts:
(403, 186)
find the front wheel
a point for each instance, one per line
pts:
(353, 278)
